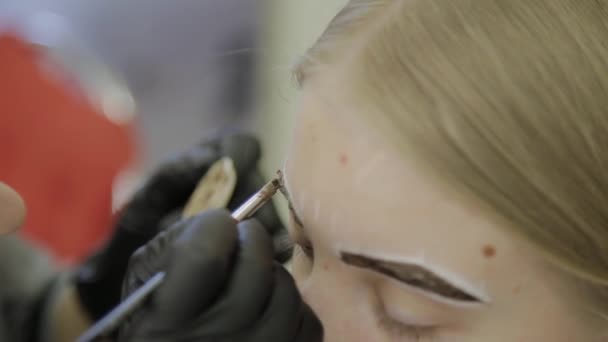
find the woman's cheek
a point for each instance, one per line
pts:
(12, 209)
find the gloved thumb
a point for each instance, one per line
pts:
(202, 254)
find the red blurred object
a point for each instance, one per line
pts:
(58, 152)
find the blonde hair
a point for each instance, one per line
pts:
(507, 99)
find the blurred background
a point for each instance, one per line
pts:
(95, 93)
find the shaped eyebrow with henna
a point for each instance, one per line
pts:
(412, 275)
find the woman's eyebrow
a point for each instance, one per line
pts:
(412, 274)
(417, 276)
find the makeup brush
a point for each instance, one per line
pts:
(115, 317)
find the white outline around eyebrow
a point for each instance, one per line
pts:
(449, 277)
(421, 261)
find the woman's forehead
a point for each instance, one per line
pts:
(354, 190)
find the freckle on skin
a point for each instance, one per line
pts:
(517, 289)
(343, 159)
(489, 251)
(325, 266)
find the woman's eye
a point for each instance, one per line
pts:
(401, 330)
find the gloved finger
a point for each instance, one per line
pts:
(170, 187)
(170, 219)
(146, 262)
(151, 258)
(250, 285)
(310, 326)
(284, 311)
(244, 150)
(283, 246)
(199, 266)
(167, 189)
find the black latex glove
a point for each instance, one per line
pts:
(221, 285)
(99, 279)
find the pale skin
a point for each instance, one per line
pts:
(354, 192)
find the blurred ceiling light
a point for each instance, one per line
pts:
(103, 87)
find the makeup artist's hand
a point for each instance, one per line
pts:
(157, 203)
(221, 285)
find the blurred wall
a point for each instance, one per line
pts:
(289, 28)
(172, 54)
(186, 61)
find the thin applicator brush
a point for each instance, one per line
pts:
(115, 317)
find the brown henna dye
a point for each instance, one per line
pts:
(410, 274)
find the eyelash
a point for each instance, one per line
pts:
(414, 332)
(394, 327)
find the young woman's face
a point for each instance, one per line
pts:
(388, 255)
(12, 209)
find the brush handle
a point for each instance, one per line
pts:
(115, 317)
